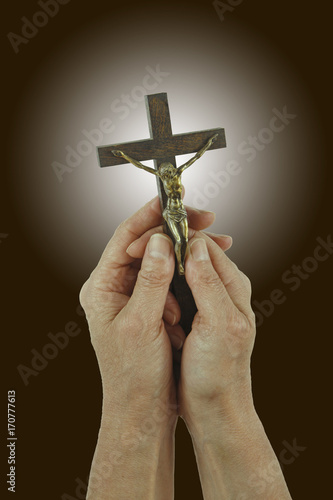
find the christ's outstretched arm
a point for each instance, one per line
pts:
(136, 163)
(181, 169)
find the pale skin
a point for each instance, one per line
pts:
(171, 178)
(134, 326)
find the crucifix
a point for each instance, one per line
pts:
(163, 147)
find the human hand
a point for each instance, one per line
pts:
(214, 394)
(215, 368)
(125, 310)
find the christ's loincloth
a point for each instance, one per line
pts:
(176, 215)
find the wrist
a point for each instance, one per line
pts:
(138, 422)
(233, 452)
(236, 458)
(226, 414)
(134, 457)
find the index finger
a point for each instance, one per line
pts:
(131, 229)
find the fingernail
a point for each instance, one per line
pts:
(203, 211)
(127, 249)
(159, 246)
(176, 342)
(227, 239)
(169, 317)
(199, 250)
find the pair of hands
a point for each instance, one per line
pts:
(134, 325)
(133, 319)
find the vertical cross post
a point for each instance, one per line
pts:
(160, 131)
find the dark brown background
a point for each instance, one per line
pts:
(58, 413)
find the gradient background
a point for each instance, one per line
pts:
(230, 74)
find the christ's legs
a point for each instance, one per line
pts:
(179, 231)
(184, 227)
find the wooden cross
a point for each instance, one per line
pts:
(162, 147)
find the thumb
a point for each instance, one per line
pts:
(153, 281)
(208, 290)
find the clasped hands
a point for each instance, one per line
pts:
(134, 325)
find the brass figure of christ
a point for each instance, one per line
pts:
(174, 214)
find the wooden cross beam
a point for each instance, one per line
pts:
(162, 147)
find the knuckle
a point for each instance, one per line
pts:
(214, 289)
(209, 323)
(242, 326)
(207, 279)
(239, 336)
(84, 295)
(87, 295)
(142, 319)
(153, 278)
(252, 319)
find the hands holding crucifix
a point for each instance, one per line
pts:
(134, 325)
(138, 330)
